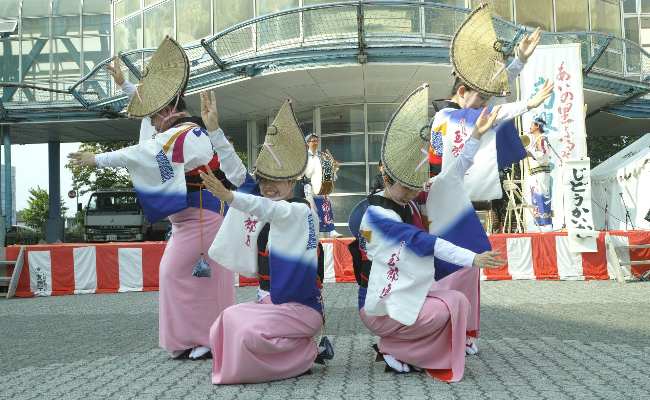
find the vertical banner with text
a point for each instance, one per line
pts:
(563, 137)
(577, 201)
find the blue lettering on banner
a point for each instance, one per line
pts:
(166, 170)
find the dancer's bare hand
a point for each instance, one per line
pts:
(209, 112)
(541, 96)
(115, 71)
(214, 186)
(485, 121)
(528, 45)
(84, 158)
(488, 259)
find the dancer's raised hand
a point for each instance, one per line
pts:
(488, 259)
(115, 71)
(209, 112)
(528, 45)
(83, 158)
(540, 97)
(215, 186)
(485, 121)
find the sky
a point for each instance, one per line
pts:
(31, 165)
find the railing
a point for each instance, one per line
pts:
(351, 31)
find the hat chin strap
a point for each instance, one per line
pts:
(268, 145)
(173, 113)
(424, 160)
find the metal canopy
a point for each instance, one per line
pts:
(331, 36)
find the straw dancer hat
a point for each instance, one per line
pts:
(284, 153)
(404, 149)
(163, 79)
(477, 56)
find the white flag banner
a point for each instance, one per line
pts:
(577, 201)
(564, 131)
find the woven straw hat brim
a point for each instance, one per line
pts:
(476, 56)
(164, 78)
(405, 138)
(287, 143)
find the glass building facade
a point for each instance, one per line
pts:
(352, 132)
(636, 24)
(54, 43)
(139, 23)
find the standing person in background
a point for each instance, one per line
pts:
(165, 172)
(321, 203)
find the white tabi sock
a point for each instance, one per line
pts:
(470, 346)
(199, 351)
(396, 364)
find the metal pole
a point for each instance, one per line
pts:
(3, 228)
(8, 184)
(54, 228)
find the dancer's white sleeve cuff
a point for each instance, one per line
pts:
(449, 252)
(111, 159)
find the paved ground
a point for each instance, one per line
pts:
(554, 340)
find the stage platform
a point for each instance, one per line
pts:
(62, 269)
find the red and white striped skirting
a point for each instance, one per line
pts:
(124, 267)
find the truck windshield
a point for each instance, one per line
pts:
(113, 202)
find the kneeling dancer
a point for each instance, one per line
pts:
(274, 237)
(418, 328)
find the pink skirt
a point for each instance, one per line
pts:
(467, 281)
(262, 342)
(189, 305)
(435, 342)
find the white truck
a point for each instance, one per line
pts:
(115, 215)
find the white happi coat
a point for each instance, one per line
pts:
(403, 255)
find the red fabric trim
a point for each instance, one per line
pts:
(639, 237)
(594, 265)
(245, 281)
(151, 257)
(23, 289)
(434, 158)
(178, 153)
(444, 375)
(213, 164)
(544, 257)
(499, 244)
(108, 269)
(343, 269)
(62, 268)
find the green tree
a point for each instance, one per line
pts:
(38, 207)
(600, 148)
(89, 179)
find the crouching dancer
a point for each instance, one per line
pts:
(274, 237)
(418, 328)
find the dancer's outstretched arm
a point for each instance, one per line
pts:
(263, 208)
(425, 244)
(229, 161)
(147, 129)
(511, 111)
